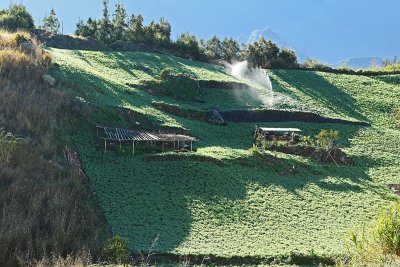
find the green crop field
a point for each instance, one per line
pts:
(246, 206)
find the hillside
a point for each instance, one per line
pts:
(230, 204)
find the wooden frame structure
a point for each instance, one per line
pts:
(120, 135)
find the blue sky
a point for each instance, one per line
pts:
(329, 30)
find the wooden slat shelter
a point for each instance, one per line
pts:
(120, 135)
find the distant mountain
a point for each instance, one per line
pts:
(360, 62)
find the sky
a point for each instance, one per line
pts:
(327, 30)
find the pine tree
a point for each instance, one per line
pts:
(119, 22)
(105, 28)
(51, 24)
(136, 29)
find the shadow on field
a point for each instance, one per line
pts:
(321, 90)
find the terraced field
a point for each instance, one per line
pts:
(245, 207)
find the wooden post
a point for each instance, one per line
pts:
(178, 145)
(191, 148)
(133, 148)
(105, 145)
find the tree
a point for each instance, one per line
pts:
(163, 31)
(262, 53)
(51, 24)
(287, 59)
(88, 29)
(188, 44)
(230, 49)
(213, 49)
(119, 22)
(136, 30)
(104, 31)
(16, 17)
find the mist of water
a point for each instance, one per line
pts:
(254, 76)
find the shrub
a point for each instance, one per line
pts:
(255, 150)
(16, 17)
(315, 64)
(182, 87)
(387, 230)
(377, 244)
(116, 250)
(327, 138)
(165, 73)
(7, 145)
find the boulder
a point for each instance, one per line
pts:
(215, 118)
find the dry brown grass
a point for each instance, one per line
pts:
(45, 207)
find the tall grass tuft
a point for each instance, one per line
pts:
(377, 244)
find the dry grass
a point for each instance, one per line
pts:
(45, 207)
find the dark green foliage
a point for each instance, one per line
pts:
(136, 31)
(188, 44)
(51, 24)
(286, 59)
(87, 29)
(230, 50)
(327, 138)
(213, 48)
(105, 31)
(116, 250)
(182, 87)
(16, 17)
(119, 22)
(262, 53)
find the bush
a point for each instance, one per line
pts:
(16, 17)
(327, 138)
(116, 250)
(315, 64)
(165, 73)
(182, 87)
(255, 150)
(387, 230)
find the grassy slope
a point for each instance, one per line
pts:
(246, 207)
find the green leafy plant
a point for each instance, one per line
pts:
(387, 230)
(255, 150)
(327, 138)
(377, 244)
(165, 72)
(116, 250)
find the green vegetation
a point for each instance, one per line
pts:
(16, 17)
(257, 207)
(51, 24)
(327, 138)
(116, 250)
(377, 244)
